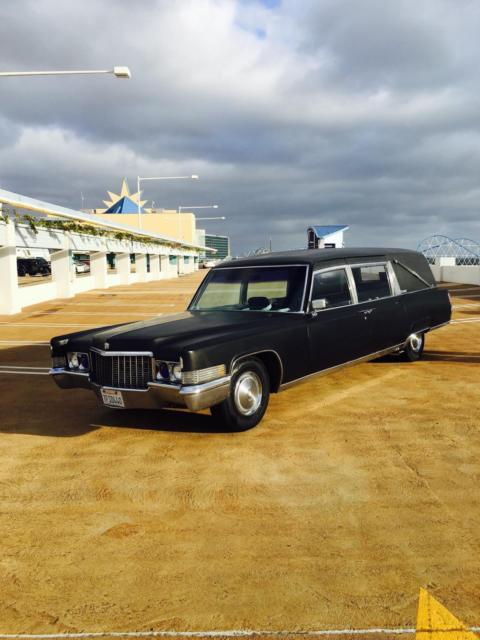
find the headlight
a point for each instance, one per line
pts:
(72, 361)
(78, 361)
(168, 371)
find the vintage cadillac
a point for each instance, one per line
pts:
(257, 326)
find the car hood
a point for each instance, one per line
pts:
(168, 335)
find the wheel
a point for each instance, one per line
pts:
(22, 271)
(414, 347)
(248, 399)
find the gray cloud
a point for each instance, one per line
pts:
(292, 113)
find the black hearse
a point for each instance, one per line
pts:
(259, 325)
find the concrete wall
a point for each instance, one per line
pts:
(437, 272)
(460, 275)
(85, 283)
(445, 270)
(34, 294)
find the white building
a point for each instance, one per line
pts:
(328, 236)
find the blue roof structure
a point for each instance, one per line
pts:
(322, 231)
(124, 205)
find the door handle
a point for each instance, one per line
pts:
(366, 312)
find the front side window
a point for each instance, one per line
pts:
(252, 289)
(332, 287)
(371, 282)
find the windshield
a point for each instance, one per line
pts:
(252, 289)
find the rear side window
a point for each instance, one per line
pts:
(406, 280)
(371, 282)
(332, 286)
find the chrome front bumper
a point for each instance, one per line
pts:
(158, 395)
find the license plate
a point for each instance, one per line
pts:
(112, 398)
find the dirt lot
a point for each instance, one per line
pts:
(354, 491)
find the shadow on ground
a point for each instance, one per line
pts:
(452, 356)
(34, 405)
(159, 420)
(433, 356)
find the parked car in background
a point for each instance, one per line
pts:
(259, 325)
(81, 266)
(209, 264)
(33, 267)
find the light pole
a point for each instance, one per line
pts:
(140, 180)
(200, 206)
(118, 72)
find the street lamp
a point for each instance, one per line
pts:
(215, 218)
(118, 72)
(200, 206)
(140, 180)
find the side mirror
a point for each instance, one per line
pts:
(318, 305)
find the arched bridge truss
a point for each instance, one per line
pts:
(465, 251)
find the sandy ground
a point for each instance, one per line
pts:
(355, 490)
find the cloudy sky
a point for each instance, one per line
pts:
(362, 112)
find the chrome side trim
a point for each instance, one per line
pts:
(121, 353)
(376, 263)
(255, 353)
(370, 356)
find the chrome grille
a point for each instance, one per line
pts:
(121, 371)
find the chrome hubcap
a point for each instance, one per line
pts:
(248, 393)
(415, 342)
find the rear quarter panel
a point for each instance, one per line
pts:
(426, 309)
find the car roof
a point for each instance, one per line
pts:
(315, 256)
